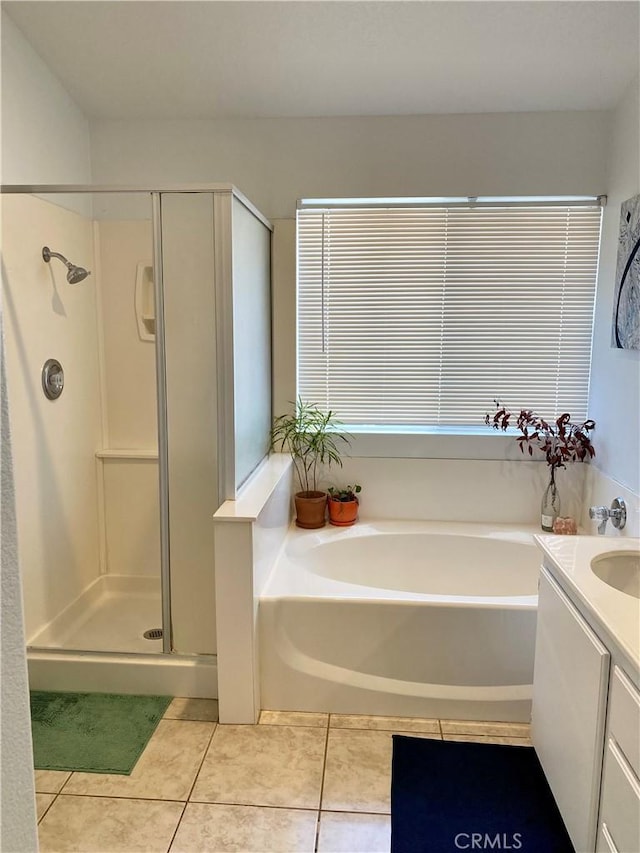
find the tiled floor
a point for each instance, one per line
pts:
(295, 782)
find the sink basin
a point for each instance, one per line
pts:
(619, 569)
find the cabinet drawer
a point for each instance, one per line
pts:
(620, 805)
(624, 718)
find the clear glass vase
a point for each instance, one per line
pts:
(550, 509)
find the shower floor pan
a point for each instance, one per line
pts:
(97, 644)
(111, 615)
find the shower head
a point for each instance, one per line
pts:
(75, 274)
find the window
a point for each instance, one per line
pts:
(423, 314)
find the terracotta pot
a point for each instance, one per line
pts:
(310, 509)
(343, 513)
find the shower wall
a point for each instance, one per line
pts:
(129, 362)
(128, 467)
(54, 441)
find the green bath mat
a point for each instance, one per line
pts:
(93, 732)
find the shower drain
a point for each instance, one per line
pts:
(153, 634)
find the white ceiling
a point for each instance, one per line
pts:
(207, 59)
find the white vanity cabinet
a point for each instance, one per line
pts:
(586, 725)
(619, 818)
(569, 705)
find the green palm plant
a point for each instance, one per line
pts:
(312, 437)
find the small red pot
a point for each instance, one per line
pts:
(343, 513)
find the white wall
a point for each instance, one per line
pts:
(18, 807)
(615, 374)
(283, 314)
(476, 490)
(276, 161)
(44, 139)
(45, 136)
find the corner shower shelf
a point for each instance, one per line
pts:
(107, 453)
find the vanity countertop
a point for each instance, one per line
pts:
(617, 612)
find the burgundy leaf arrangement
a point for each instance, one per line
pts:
(561, 441)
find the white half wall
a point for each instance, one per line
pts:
(615, 373)
(249, 533)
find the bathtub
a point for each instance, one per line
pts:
(426, 619)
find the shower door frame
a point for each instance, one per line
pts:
(163, 432)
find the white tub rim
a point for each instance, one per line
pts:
(286, 580)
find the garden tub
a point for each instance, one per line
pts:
(429, 619)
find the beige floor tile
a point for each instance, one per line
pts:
(357, 771)
(165, 771)
(347, 832)
(205, 710)
(293, 718)
(50, 781)
(43, 801)
(387, 724)
(505, 739)
(473, 727)
(100, 824)
(207, 828)
(263, 766)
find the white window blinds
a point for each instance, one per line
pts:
(424, 315)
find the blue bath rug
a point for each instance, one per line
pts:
(448, 796)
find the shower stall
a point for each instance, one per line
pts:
(140, 398)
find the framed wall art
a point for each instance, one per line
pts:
(625, 330)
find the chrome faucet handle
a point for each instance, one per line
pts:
(601, 513)
(617, 514)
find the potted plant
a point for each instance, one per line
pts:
(343, 505)
(312, 437)
(561, 441)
